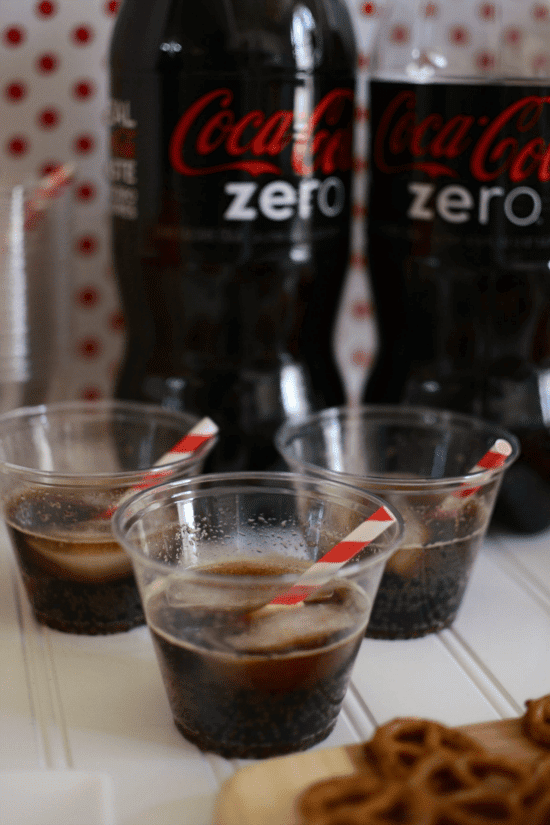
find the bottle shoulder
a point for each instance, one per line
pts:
(233, 35)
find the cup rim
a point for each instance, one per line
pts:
(102, 407)
(249, 481)
(291, 428)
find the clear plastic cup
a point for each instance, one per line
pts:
(416, 459)
(63, 469)
(209, 553)
(35, 285)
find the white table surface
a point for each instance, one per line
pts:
(97, 704)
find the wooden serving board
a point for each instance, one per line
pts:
(263, 793)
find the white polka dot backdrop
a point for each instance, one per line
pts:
(53, 102)
(53, 99)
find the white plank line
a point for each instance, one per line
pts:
(510, 561)
(503, 623)
(221, 768)
(359, 714)
(20, 742)
(59, 735)
(53, 744)
(485, 681)
(19, 597)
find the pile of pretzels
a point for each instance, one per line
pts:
(419, 772)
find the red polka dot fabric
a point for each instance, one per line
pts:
(53, 104)
(53, 101)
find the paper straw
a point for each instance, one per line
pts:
(191, 442)
(493, 458)
(323, 570)
(186, 446)
(49, 187)
(405, 558)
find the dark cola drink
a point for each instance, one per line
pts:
(253, 684)
(459, 231)
(77, 578)
(424, 582)
(231, 134)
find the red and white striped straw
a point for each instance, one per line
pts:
(195, 438)
(49, 187)
(492, 460)
(186, 446)
(323, 570)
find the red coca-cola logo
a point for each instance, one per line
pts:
(254, 142)
(508, 144)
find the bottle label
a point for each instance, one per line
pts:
(472, 159)
(122, 164)
(225, 161)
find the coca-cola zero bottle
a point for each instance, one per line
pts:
(231, 132)
(459, 224)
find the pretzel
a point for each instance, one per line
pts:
(534, 795)
(472, 788)
(419, 772)
(395, 805)
(465, 789)
(536, 721)
(387, 803)
(399, 745)
(340, 795)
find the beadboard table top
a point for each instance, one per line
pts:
(77, 705)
